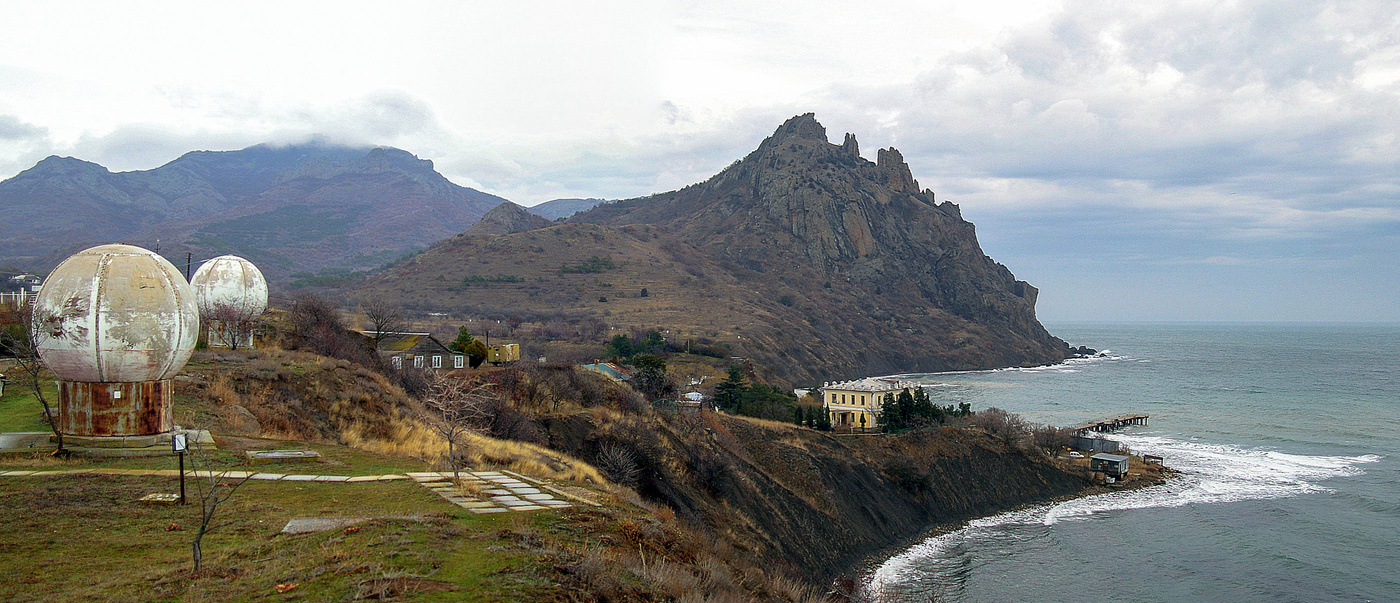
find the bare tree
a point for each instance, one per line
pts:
(212, 487)
(1009, 427)
(384, 315)
(20, 340)
(233, 325)
(458, 408)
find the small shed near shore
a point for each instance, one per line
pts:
(1110, 464)
(1088, 444)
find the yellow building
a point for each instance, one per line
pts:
(856, 404)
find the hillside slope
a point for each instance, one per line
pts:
(803, 256)
(289, 209)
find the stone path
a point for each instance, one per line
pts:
(494, 491)
(481, 491)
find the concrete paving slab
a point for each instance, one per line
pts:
(506, 499)
(525, 490)
(364, 478)
(17, 473)
(498, 492)
(385, 478)
(555, 503)
(491, 510)
(267, 476)
(299, 478)
(270, 456)
(332, 478)
(515, 503)
(526, 508)
(476, 505)
(319, 524)
(537, 496)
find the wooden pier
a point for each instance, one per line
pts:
(1114, 424)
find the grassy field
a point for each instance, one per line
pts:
(87, 537)
(20, 410)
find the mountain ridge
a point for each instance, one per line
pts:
(361, 206)
(802, 256)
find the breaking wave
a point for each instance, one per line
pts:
(1210, 473)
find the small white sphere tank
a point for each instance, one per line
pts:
(115, 314)
(230, 282)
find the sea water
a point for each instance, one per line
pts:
(1288, 440)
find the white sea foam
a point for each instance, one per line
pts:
(1211, 473)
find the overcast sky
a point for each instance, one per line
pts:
(1213, 161)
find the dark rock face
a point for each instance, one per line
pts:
(894, 281)
(288, 209)
(819, 503)
(508, 218)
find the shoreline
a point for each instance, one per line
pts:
(858, 574)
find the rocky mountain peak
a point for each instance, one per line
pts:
(507, 218)
(850, 146)
(802, 127)
(55, 165)
(900, 178)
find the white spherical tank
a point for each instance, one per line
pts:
(229, 282)
(115, 313)
(114, 323)
(232, 294)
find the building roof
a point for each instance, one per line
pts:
(609, 370)
(871, 384)
(394, 343)
(1112, 458)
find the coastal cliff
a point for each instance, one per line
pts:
(814, 503)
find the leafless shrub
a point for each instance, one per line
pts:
(457, 408)
(619, 464)
(1008, 427)
(231, 325)
(1052, 439)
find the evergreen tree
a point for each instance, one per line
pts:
(890, 419)
(730, 392)
(924, 409)
(620, 346)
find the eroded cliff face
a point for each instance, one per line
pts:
(807, 501)
(875, 258)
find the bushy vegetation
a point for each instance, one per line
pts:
(910, 410)
(477, 279)
(735, 395)
(592, 265)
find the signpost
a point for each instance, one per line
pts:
(178, 444)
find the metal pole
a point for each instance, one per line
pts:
(182, 477)
(188, 257)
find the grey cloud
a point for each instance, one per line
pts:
(13, 129)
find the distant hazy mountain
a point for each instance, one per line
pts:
(563, 208)
(303, 208)
(803, 256)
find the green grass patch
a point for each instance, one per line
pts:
(88, 538)
(21, 411)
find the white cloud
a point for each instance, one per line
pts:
(1175, 130)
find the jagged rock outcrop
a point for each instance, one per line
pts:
(897, 279)
(507, 218)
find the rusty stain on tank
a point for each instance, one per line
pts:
(115, 323)
(114, 409)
